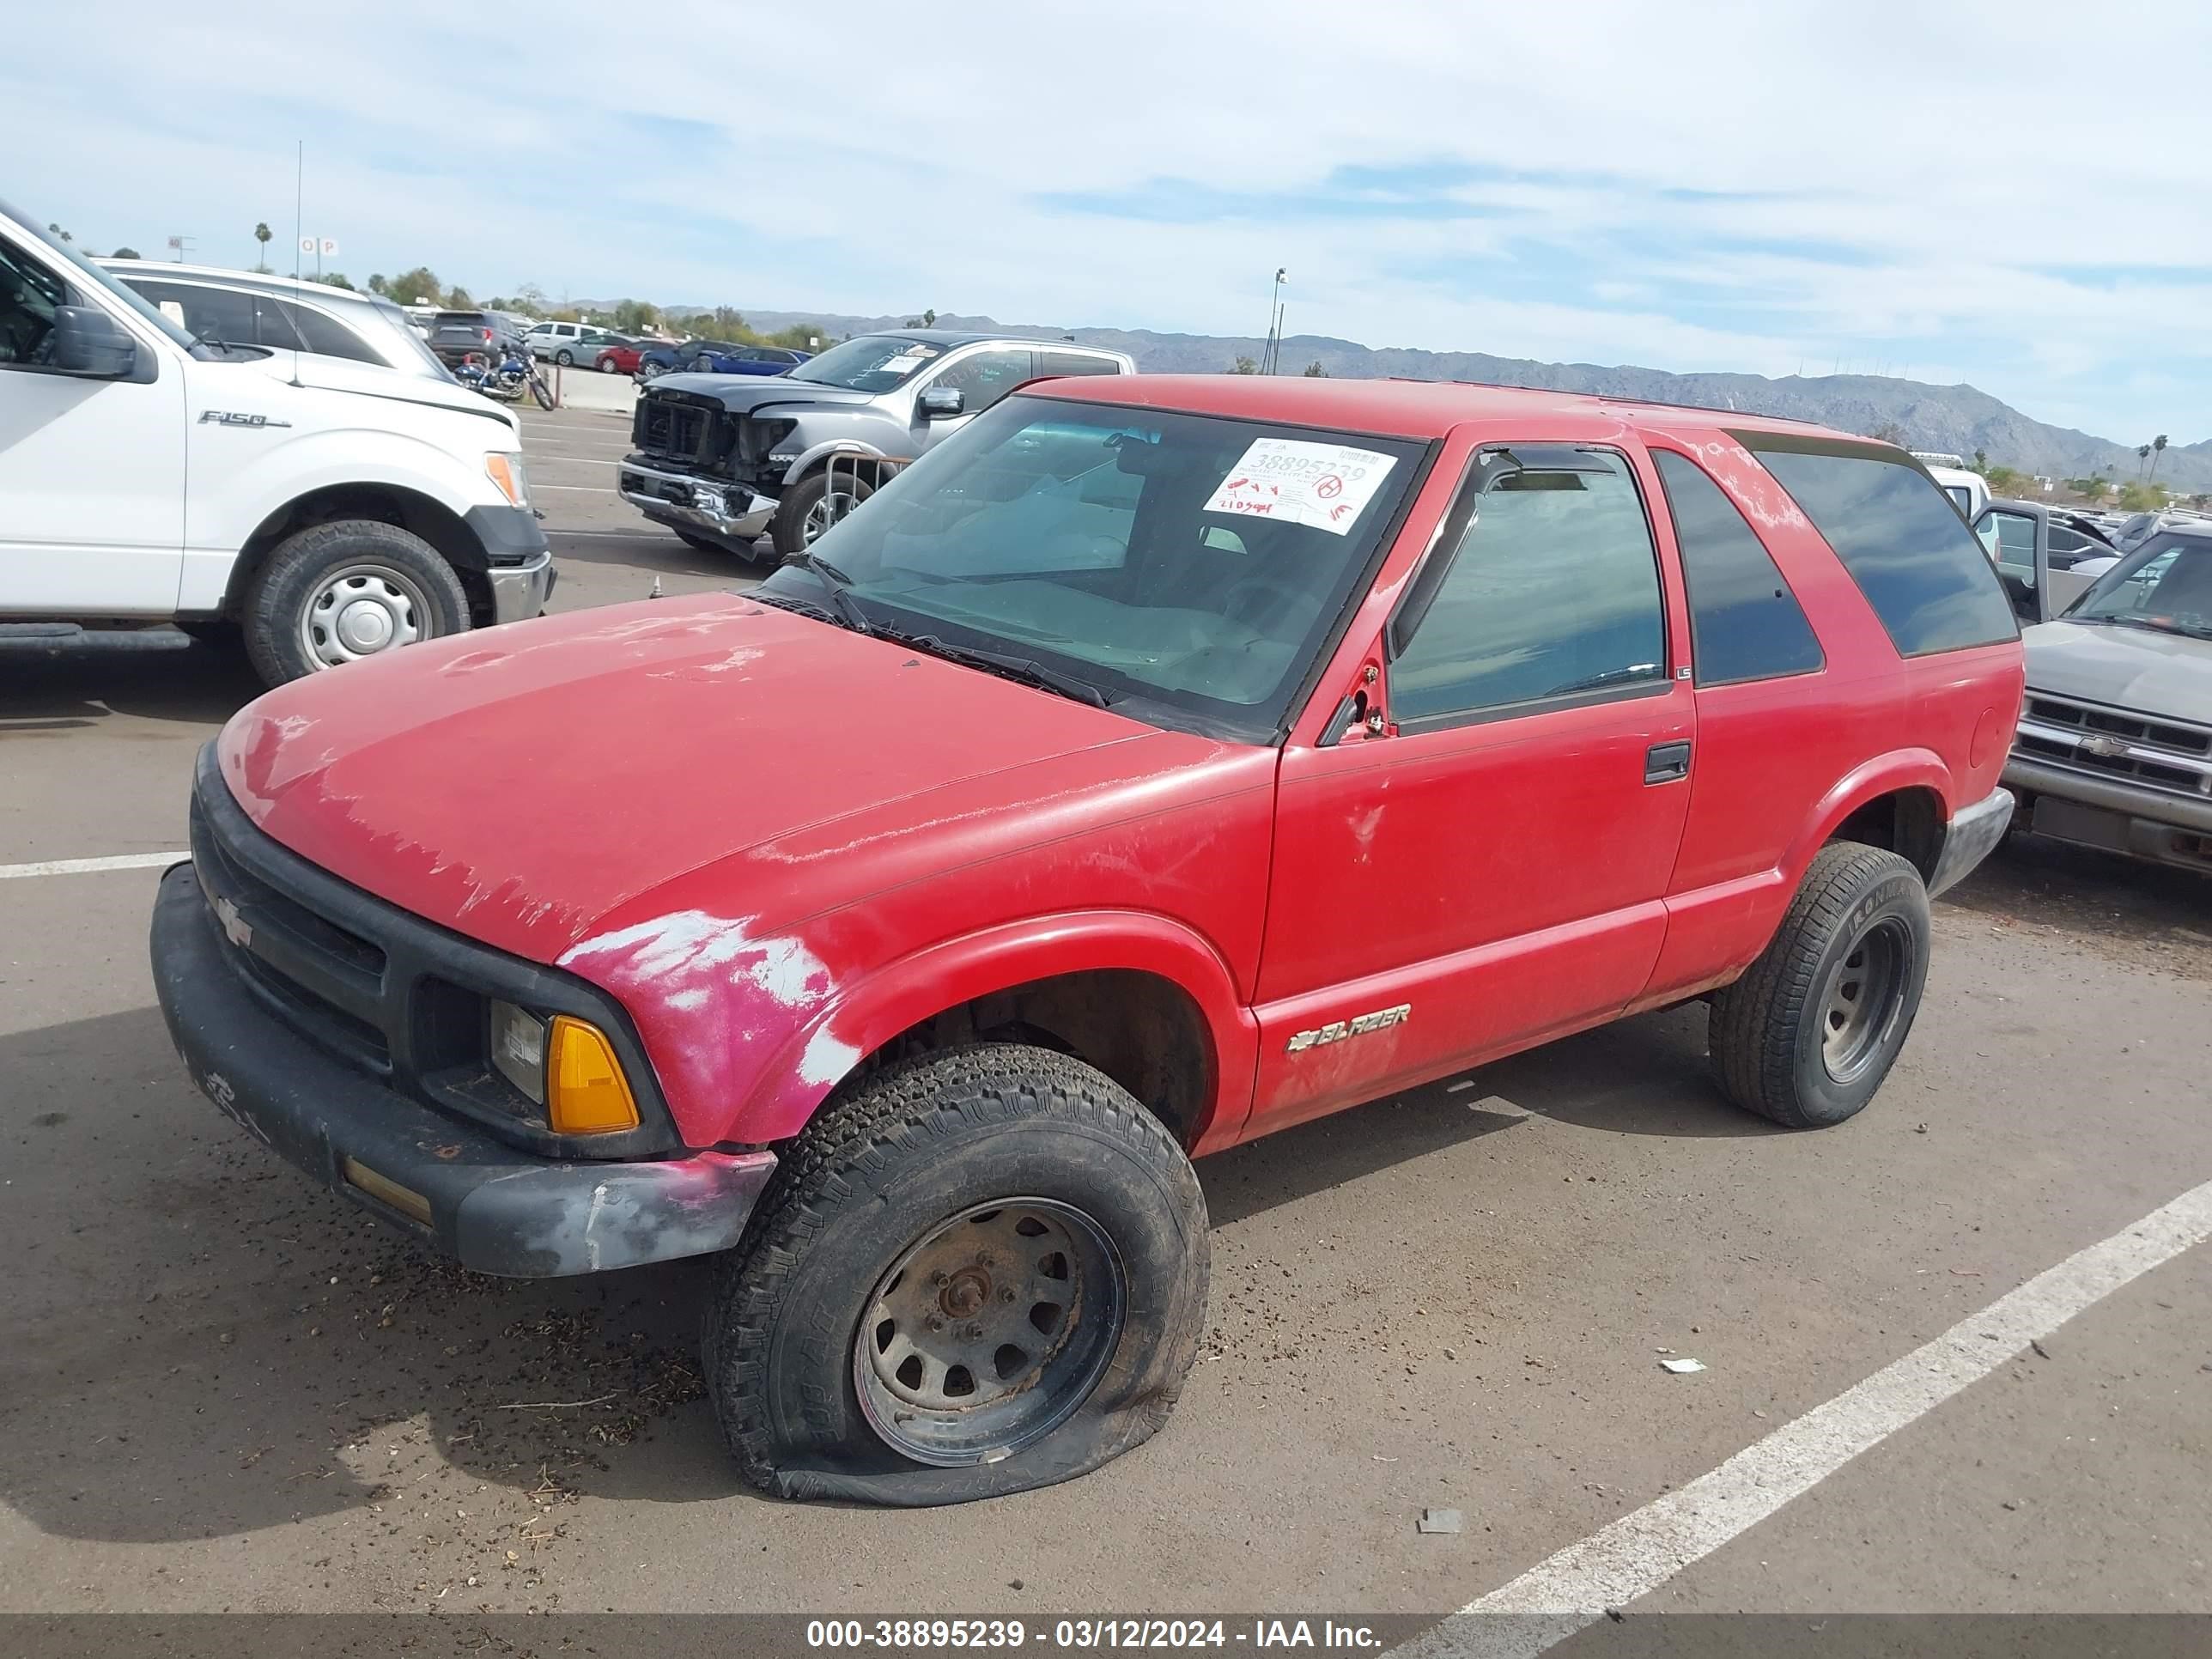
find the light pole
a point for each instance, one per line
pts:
(1274, 346)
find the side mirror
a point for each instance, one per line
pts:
(940, 401)
(87, 342)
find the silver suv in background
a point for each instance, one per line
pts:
(246, 307)
(2114, 748)
(718, 459)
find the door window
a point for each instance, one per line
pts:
(1552, 592)
(2010, 537)
(1076, 362)
(283, 322)
(986, 377)
(28, 295)
(1745, 624)
(209, 313)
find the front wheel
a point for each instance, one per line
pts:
(333, 593)
(1808, 1033)
(810, 507)
(540, 391)
(566, 358)
(982, 1271)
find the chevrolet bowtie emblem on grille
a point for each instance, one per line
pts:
(235, 927)
(2103, 748)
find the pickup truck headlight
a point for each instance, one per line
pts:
(509, 477)
(568, 1067)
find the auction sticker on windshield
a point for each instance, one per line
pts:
(1324, 485)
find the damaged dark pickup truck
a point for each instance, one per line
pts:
(721, 459)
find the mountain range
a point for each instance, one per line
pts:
(1956, 419)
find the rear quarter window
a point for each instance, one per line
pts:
(1898, 535)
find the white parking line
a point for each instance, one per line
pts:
(618, 535)
(90, 867)
(1641, 1551)
(586, 489)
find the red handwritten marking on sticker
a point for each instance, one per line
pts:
(1329, 488)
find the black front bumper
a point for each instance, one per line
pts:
(450, 1183)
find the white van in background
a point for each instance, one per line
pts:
(1967, 490)
(329, 509)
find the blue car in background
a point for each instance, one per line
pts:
(716, 357)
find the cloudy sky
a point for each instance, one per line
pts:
(2014, 194)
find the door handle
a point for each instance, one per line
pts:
(1666, 762)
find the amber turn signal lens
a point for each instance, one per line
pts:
(586, 1093)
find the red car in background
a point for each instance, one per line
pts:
(620, 359)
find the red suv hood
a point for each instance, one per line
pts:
(520, 785)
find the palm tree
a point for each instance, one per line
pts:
(261, 235)
(2157, 449)
(2143, 454)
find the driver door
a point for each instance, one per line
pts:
(92, 472)
(981, 377)
(2016, 545)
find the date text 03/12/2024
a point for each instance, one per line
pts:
(1087, 1634)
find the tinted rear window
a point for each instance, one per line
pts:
(1745, 624)
(1911, 555)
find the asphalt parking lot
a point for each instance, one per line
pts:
(224, 1391)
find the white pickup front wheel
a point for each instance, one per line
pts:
(334, 593)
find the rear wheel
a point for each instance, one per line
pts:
(810, 507)
(1808, 1033)
(608, 366)
(333, 593)
(982, 1271)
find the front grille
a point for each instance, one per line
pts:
(387, 992)
(692, 432)
(2113, 743)
(2157, 734)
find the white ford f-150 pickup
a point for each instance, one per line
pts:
(327, 509)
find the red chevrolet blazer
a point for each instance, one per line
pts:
(1157, 763)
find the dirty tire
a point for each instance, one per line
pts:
(881, 1170)
(283, 588)
(1766, 1032)
(789, 526)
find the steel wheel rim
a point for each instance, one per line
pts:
(362, 610)
(834, 505)
(1028, 1296)
(1863, 998)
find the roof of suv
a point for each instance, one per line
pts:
(260, 281)
(1409, 409)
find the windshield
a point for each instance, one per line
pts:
(873, 362)
(2167, 585)
(81, 267)
(1184, 567)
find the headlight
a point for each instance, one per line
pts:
(566, 1066)
(509, 476)
(518, 1048)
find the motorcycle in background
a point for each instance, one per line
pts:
(515, 374)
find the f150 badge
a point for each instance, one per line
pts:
(234, 417)
(1358, 1025)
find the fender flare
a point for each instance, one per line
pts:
(1900, 769)
(812, 1062)
(815, 454)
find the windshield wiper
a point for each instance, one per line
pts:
(834, 583)
(1635, 670)
(1025, 669)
